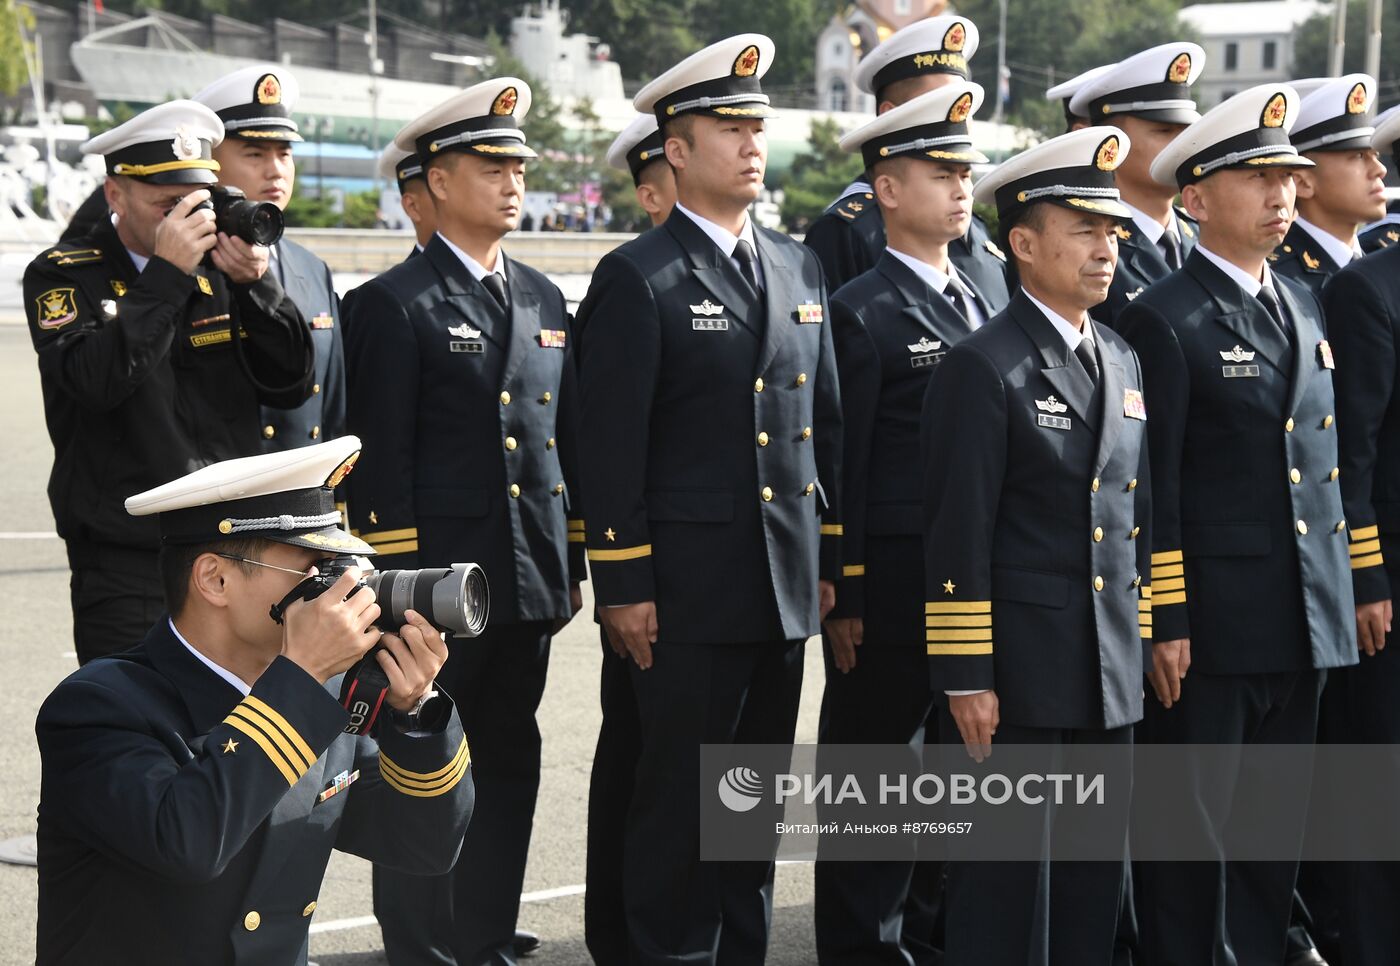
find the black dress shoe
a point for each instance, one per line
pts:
(527, 942)
(1307, 957)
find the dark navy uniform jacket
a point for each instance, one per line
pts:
(1381, 234)
(891, 330)
(182, 822)
(1036, 500)
(1363, 304)
(1140, 263)
(1302, 259)
(849, 239)
(307, 281)
(711, 436)
(141, 377)
(466, 414)
(1249, 536)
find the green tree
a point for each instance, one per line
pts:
(817, 175)
(15, 20)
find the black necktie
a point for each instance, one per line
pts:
(1271, 303)
(1085, 352)
(1171, 250)
(955, 295)
(496, 286)
(748, 264)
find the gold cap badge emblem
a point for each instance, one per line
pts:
(1180, 70)
(1107, 157)
(961, 108)
(1274, 111)
(505, 102)
(955, 38)
(269, 90)
(746, 64)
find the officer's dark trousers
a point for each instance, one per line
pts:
(1226, 913)
(1046, 913)
(497, 681)
(680, 910)
(870, 913)
(116, 596)
(609, 796)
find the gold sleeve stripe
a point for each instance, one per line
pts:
(1144, 606)
(403, 546)
(257, 704)
(958, 607)
(444, 780)
(625, 553)
(1361, 548)
(389, 536)
(1168, 570)
(1361, 563)
(427, 777)
(1175, 583)
(833, 529)
(1166, 557)
(578, 536)
(853, 570)
(958, 620)
(1145, 632)
(1164, 600)
(1365, 533)
(1145, 591)
(960, 634)
(293, 756)
(940, 650)
(262, 741)
(576, 525)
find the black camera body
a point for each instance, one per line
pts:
(256, 222)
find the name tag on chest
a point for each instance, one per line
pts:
(710, 325)
(473, 347)
(1239, 372)
(1052, 422)
(923, 361)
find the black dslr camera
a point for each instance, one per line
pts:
(256, 222)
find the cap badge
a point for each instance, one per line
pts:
(746, 64)
(1356, 100)
(185, 146)
(1180, 70)
(961, 108)
(505, 102)
(342, 471)
(269, 89)
(955, 38)
(1274, 111)
(1107, 157)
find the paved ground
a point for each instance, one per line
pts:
(36, 652)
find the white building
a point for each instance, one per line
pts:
(1246, 43)
(573, 67)
(850, 35)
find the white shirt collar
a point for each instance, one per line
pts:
(723, 239)
(1341, 252)
(228, 676)
(140, 261)
(1151, 227)
(1239, 276)
(478, 270)
(938, 281)
(1072, 334)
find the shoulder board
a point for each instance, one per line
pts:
(1187, 223)
(854, 206)
(73, 256)
(993, 250)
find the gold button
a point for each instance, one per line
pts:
(1094, 485)
(758, 384)
(547, 396)
(269, 432)
(1288, 425)
(810, 488)
(1132, 484)
(558, 488)
(1098, 583)
(767, 494)
(549, 443)
(315, 432)
(505, 398)
(1133, 533)
(310, 908)
(252, 921)
(1334, 474)
(315, 389)
(1098, 534)
(225, 526)
(802, 378)
(1295, 476)
(514, 490)
(762, 439)
(1341, 525)
(1327, 421)
(1302, 527)
(511, 443)
(806, 432)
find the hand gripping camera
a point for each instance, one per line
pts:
(256, 222)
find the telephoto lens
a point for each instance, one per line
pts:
(454, 599)
(256, 222)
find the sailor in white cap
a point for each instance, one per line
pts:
(1148, 95)
(472, 415)
(706, 357)
(849, 237)
(1385, 231)
(1250, 573)
(1064, 93)
(405, 169)
(640, 151)
(255, 104)
(891, 326)
(1041, 400)
(195, 785)
(134, 324)
(1344, 191)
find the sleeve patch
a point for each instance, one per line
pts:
(56, 308)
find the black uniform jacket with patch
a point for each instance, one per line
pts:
(1036, 502)
(1140, 264)
(711, 436)
(1249, 544)
(466, 413)
(1302, 259)
(180, 821)
(1362, 302)
(141, 377)
(891, 330)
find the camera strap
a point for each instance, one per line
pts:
(362, 693)
(306, 590)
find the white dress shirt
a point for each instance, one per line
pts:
(1152, 228)
(938, 281)
(227, 675)
(478, 270)
(1239, 276)
(725, 241)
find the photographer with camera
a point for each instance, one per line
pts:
(193, 787)
(158, 334)
(255, 104)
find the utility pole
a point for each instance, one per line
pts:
(1373, 39)
(1339, 39)
(376, 67)
(1001, 64)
